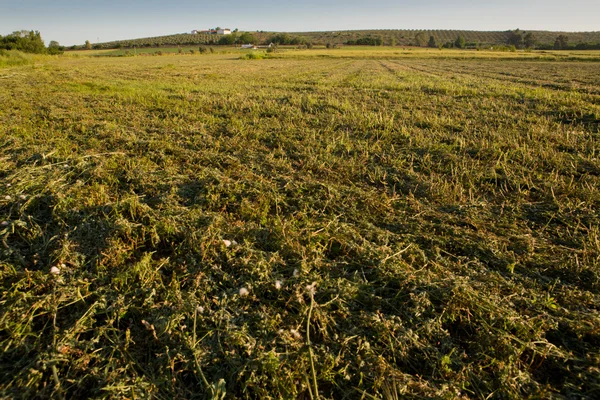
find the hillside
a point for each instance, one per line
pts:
(408, 36)
(404, 37)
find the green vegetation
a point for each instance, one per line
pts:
(366, 41)
(349, 223)
(14, 58)
(538, 39)
(28, 42)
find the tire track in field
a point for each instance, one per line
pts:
(504, 77)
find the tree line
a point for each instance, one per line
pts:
(29, 42)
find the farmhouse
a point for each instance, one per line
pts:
(212, 32)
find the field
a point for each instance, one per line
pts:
(320, 224)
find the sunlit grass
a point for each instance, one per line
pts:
(329, 223)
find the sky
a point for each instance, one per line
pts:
(75, 21)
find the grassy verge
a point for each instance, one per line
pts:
(14, 58)
(203, 226)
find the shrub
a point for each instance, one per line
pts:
(254, 56)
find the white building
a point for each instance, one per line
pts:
(224, 32)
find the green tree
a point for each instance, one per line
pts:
(55, 48)
(247, 38)
(25, 41)
(421, 39)
(460, 42)
(561, 42)
(88, 45)
(529, 40)
(432, 43)
(515, 38)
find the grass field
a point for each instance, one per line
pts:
(324, 224)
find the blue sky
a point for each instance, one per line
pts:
(75, 21)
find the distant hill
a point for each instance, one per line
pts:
(399, 37)
(408, 37)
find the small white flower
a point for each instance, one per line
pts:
(54, 271)
(278, 285)
(4, 223)
(295, 274)
(66, 166)
(227, 243)
(295, 334)
(244, 292)
(8, 185)
(200, 309)
(311, 289)
(23, 197)
(7, 197)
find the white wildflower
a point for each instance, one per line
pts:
(278, 285)
(7, 197)
(295, 334)
(311, 289)
(227, 243)
(244, 292)
(4, 223)
(54, 271)
(23, 197)
(200, 309)
(295, 274)
(66, 166)
(8, 185)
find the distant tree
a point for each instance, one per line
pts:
(55, 48)
(515, 38)
(529, 40)
(561, 42)
(228, 39)
(281, 38)
(88, 45)
(393, 42)
(432, 43)
(421, 39)
(25, 41)
(460, 42)
(247, 37)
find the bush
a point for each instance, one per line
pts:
(254, 56)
